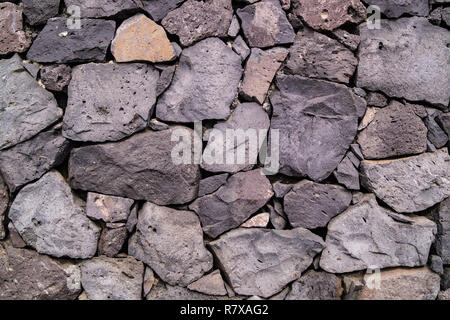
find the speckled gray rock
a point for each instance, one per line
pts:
(234, 28)
(367, 235)
(171, 243)
(30, 160)
(317, 122)
(108, 102)
(104, 8)
(162, 291)
(251, 123)
(311, 205)
(108, 208)
(106, 278)
(441, 215)
(347, 172)
(204, 86)
(435, 262)
(56, 77)
(315, 285)
(396, 8)
(241, 48)
(4, 200)
(13, 38)
(25, 107)
(410, 184)
(52, 220)
(315, 55)
(265, 24)
(147, 174)
(348, 39)
(158, 9)
(242, 195)
(395, 131)
(39, 11)
(211, 284)
(56, 43)
(27, 275)
(262, 262)
(165, 78)
(211, 184)
(387, 54)
(436, 134)
(278, 218)
(196, 20)
(112, 240)
(375, 99)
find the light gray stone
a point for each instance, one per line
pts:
(396, 8)
(162, 291)
(105, 8)
(241, 48)
(211, 284)
(347, 173)
(441, 215)
(108, 208)
(316, 286)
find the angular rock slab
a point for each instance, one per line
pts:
(410, 184)
(395, 131)
(52, 220)
(25, 107)
(369, 236)
(4, 200)
(27, 275)
(56, 43)
(158, 9)
(39, 11)
(204, 86)
(315, 285)
(31, 159)
(231, 205)
(196, 20)
(162, 291)
(314, 55)
(405, 59)
(441, 215)
(141, 39)
(12, 36)
(317, 121)
(112, 240)
(330, 14)
(312, 205)
(140, 168)
(265, 24)
(108, 102)
(106, 278)
(248, 125)
(211, 184)
(347, 173)
(104, 8)
(262, 262)
(395, 8)
(211, 284)
(108, 208)
(56, 77)
(171, 243)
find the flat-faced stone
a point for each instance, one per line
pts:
(108, 102)
(15, 238)
(163, 291)
(347, 173)
(241, 48)
(149, 280)
(211, 184)
(140, 168)
(348, 39)
(158, 9)
(165, 78)
(441, 215)
(211, 284)
(171, 242)
(315, 285)
(259, 221)
(204, 86)
(39, 11)
(13, 38)
(234, 28)
(4, 200)
(108, 208)
(104, 8)
(56, 77)
(376, 99)
(396, 8)
(436, 135)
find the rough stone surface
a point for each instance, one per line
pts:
(311, 205)
(12, 36)
(329, 15)
(435, 263)
(149, 280)
(141, 39)
(162, 291)
(316, 286)
(165, 78)
(112, 240)
(39, 11)
(317, 122)
(230, 206)
(410, 184)
(204, 86)
(15, 238)
(259, 72)
(4, 200)
(171, 243)
(367, 235)
(278, 218)
(56, 77)
(27, 275)
(349, 40)
(56, 43)
(212, 184)
(158, 9)
(444, 295)
(396, 8)
(147, 174)
(395, 131)
(25, 107)
(436, 135)
(265, 24)
(347, 173)
(314, 55)
(259, 221)
(211, 284)
(108, 208)
(53, 220)
(261, 262)
(106, 278)
(196, 20)
(234, 27)
(108, 102)
(387, 54)
(241, 48)
(105, 8)
(441, 215)
(376, 99)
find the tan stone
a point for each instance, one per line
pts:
(141, 39)
(259, 221)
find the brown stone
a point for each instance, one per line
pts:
(12, 36)
(259, 221)
(141, 39)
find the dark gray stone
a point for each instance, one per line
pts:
(436, 264)
(347, 173)
(436, 135)
(165, 78)
(348, 39)
(375, 99)
(211, 184)
(158, 9)
(316, 286)
(56, 77)
(396, 8)
(4, 200)
(105, 8)
(278, 218)
(241, 48)
(441, 215)
(162, 291)
(39, 11)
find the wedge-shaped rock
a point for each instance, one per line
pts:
(314, 55)
(112, 239)
(410, 184)
(196, 20)
(12, 35)
(108, 102)
(211, 184)
(265, 24)
(27, 275)
(25, 107)
(31, 159)
(140, 168)
(204, 86)
(261, 262)
(158, 9)
(396, 8)
(4, 200)
(347, 173)
(369, 236)
(104, 8)
(211, 284)
(53, 220)
(231, 205)
(39, 11)
(387, 54)
(106, 278)
(441, 215)
(141, 39)
(317, 121)
(315, 285)
(59, 42)
(248, 125)
(108, 208)
(312, 205)
(171, 243)
(56, 77)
